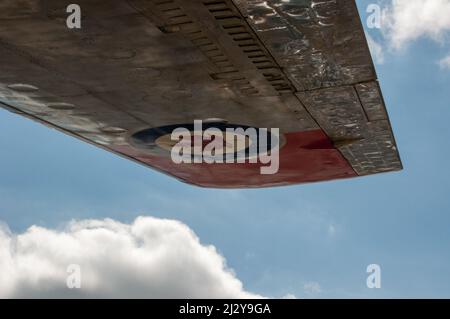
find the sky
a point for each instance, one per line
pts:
(138, 233)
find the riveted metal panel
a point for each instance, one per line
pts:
(300, 66)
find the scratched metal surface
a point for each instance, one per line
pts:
(296, 65)
(321, 47)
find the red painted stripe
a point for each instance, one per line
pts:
(307, 156)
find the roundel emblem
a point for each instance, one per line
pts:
(234, 141)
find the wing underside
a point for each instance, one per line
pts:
(301, 66)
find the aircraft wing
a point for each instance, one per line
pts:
(140, 66)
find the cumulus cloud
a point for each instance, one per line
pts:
(149, 258)
(407, 20)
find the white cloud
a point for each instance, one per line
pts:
(150, 258)
(407, 20)
(445, 63)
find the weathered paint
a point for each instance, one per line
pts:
(301, 66)
(306, 157)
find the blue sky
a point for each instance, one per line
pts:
(284, 240)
